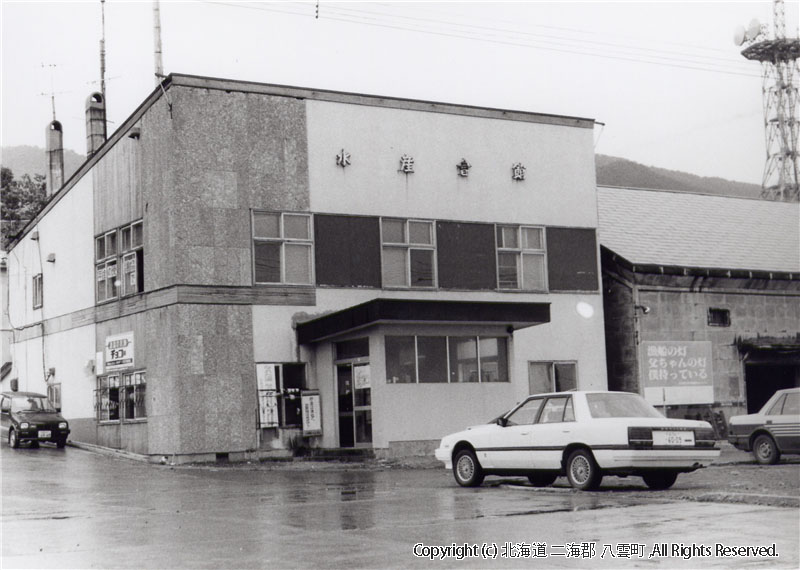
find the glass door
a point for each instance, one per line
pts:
(355, 404)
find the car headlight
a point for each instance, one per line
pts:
(62, 425)
(24, 425)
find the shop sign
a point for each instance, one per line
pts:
(312, 413)
(119, 352)
(267, 396)
(677, 372)
(361, 377)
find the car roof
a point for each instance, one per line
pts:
(570, 392)
(786, 390)
(23, 394)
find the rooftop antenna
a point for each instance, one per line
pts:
(157, 41)
(778, 57)
(103, 49)
(52, 93)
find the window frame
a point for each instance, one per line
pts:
(37, 291)
(520, 252)
(408, 246)
(551, 372)
(719, 317)
(283, 241)
(282, 395)
(122, 253)
(102, 405)
(449, 372)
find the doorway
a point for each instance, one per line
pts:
(762, 380)
(354, 388)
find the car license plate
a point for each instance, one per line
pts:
(44, 434)
(673, 437)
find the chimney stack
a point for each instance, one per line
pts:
(95, 123)
(55, 157)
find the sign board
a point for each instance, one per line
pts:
(118, 352)
(312, 413)
(361, 374)
(676, 372)
(266, 378)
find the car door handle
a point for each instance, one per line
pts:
(769, 422)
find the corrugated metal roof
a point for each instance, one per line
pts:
(696, 230)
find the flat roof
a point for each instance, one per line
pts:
(380, 311)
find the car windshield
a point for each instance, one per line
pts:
(31, 404)
(620, 405)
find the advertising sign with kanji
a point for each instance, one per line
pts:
(312, 413)
(676, 372)
(119, 352)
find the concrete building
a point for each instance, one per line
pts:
(243, 268)
(702, 299)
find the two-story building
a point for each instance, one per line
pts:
(244, 267)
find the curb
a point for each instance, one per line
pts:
(109, 452)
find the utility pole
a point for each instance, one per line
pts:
(157, 41)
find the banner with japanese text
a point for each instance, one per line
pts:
(676, 372)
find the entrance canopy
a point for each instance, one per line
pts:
(511, 315)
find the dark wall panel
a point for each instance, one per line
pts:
(572, 259)
(347, 250)
(466, 256)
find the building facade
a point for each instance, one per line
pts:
(702, 299)
(243, 268)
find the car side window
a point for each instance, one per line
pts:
(553, 411)
(791, 406)
(526, 413)
(569, 412)
(5, 405)
(775, 410)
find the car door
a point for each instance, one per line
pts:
(510, 447)
(552, 432)
(5, 415)
(783, 420)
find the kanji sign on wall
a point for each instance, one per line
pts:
(676, 372)
(119, 352)
(312, 413)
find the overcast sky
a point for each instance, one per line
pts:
(664, 77)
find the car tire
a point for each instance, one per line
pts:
(542, 479)
(13, 440)
(582, 470)
(659, 480)
(60, 443)
(765, 451)
(466, 469)
(34, 445)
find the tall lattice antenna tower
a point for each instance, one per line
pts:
(778, 56)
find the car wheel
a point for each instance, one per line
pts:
(60, 443)
(582, 470)
(542, 479)
(34, 445)
(765, 451)
(466, 469)
(13, 440)
(660, 479)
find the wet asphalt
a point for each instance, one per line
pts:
(73, 508)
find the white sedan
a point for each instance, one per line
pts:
(583, 435)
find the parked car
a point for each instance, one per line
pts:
(30, 417)
(583, 435)
(774, 430)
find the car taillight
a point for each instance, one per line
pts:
(704, 437)
(640, 437)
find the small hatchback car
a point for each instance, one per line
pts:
(30, 417)
(774, 430)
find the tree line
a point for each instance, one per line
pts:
(22, 199)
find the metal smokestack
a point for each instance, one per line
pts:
(55, 157)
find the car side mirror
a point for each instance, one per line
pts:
(502, 422)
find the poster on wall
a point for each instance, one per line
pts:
(361, 377)
(312, 413)
(118, 352)
(677, 372)
(266, 379)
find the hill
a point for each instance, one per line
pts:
(611, 171)
(32, 160)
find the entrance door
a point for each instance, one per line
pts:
(763, 380)
(355, 404)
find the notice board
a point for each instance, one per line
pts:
(676, 372)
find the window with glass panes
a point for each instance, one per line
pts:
(282, 248)
(121, 396)
(521, 258)
(119, 262)
(408, 253)
(38, 291)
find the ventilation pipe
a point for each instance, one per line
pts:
(95, 123)
(55, 157)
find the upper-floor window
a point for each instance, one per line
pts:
(38, 292)
(282, 248)
(408, 253)
(719, 317)
(521, 258)
(119, 262)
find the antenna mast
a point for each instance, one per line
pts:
(778, 57)
(103, 49)
(157, 40)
